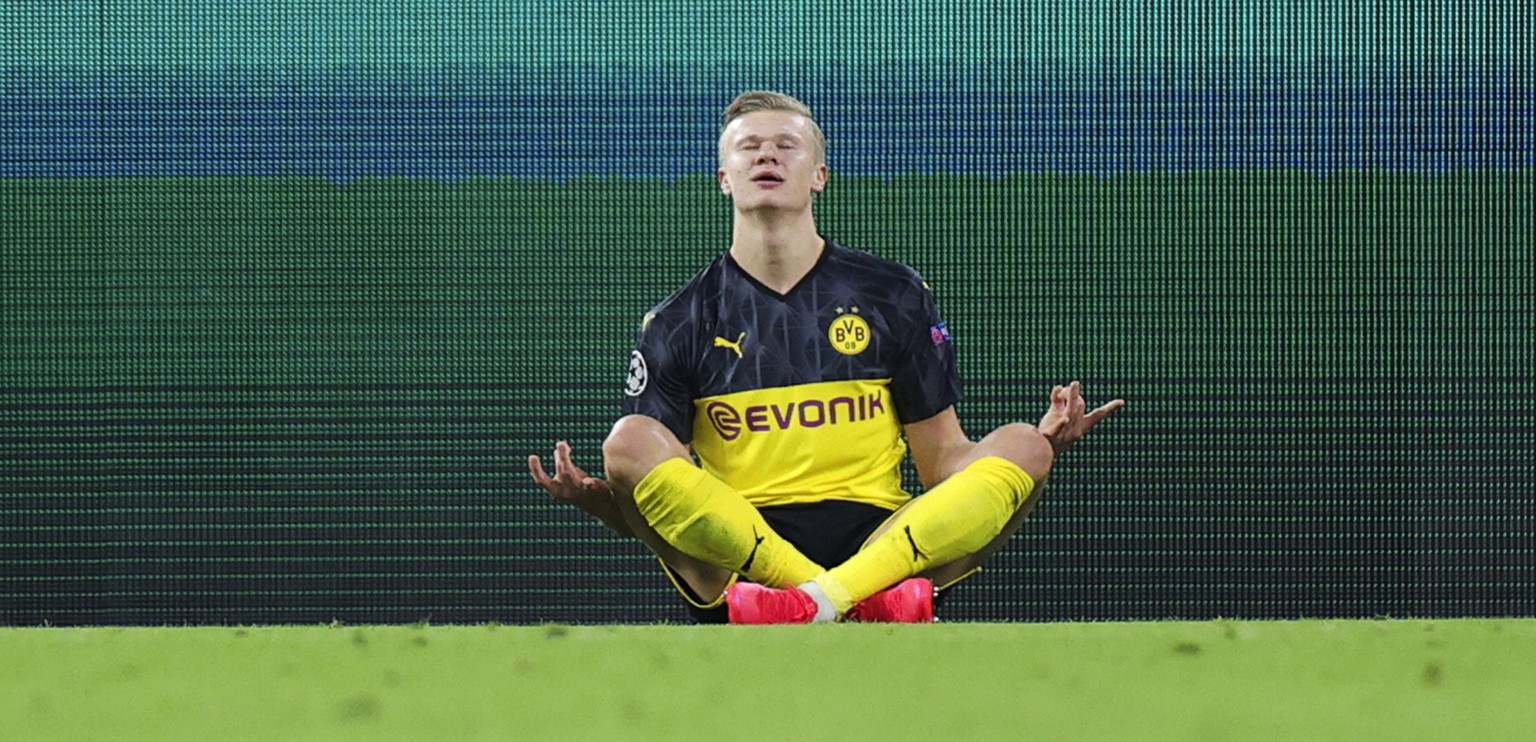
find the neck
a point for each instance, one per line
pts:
(776, 251)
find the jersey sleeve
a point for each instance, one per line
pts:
(659, 384)
(924, 380)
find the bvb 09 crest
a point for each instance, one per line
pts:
(849, 332)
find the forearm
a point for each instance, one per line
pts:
(607, 511)
(1020, 443)
(945, 462)
(599, 503)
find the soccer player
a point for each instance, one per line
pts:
(799, 372)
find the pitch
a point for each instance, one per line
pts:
(1240, 680)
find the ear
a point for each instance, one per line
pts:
(823, 174)
(725, 185)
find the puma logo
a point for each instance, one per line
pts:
(917, 554)
(736, 346)
(752, 556)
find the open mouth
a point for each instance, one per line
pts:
(768, 180)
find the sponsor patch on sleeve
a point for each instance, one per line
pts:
(939, 333)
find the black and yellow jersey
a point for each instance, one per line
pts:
(797, 397)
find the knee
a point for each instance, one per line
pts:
(1025, 446)
(634, 447)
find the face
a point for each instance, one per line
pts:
(771, 160)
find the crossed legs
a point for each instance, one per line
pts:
(706, 532)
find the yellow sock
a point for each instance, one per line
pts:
(706, 519)
(955, 519)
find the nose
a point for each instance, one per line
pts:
(767, 151)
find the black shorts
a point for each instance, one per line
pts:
(826, 532)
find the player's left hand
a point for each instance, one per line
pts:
(1068, 419)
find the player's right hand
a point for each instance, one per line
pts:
(572, 484)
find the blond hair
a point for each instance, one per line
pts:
(753, 101)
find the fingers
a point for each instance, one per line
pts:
(1055, 417)
(1074, 393)
(1097, 416)
(1069, 401)
(562, 458)
(566, 469)
(567, 473)
(536, 468)
(1106, 410)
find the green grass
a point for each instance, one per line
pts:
(1303, 680)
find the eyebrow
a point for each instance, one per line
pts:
(759, 137)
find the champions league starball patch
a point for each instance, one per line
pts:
(939, 333)
(638, 376)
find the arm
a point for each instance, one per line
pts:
(940, 446)
(654, 387)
